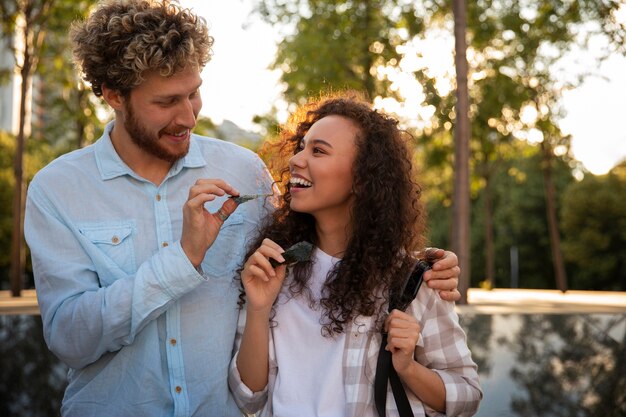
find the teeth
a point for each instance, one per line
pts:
(300, 181)
(184, 132)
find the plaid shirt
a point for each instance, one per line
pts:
(441, 347)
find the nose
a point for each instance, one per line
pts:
(298, 160)
(187, 113)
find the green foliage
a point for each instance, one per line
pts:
(513, 47)
(70, 119)
(338, 45)
(37, 155)
(594, 227)
(205, 127)
(519, 218)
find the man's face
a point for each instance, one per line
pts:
(160, 114)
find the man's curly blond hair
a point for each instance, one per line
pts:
(122, 40)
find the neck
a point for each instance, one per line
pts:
(142, 163)
(333, 236)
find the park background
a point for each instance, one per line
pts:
(546, 161)
(547, 168)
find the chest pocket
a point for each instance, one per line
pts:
(225, 255)
(111, 249)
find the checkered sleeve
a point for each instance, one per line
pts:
(443, 348)
(249, 402)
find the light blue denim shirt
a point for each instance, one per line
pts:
(144, 333)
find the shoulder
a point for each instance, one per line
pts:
(68, 165)
(429, 305)
(210, 147)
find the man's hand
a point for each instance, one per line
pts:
(200, 228)
(444, 274)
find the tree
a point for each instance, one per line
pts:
(593, 216)
(25, 20)
(69, 116)
(519, 216)
(515, 49)
(339, 44)
(461, 201)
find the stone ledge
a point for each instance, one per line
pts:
(496, 301)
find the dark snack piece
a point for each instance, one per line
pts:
(243, 198)
(299, 252)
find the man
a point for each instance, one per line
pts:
(133, 240)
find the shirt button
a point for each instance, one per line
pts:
(115, 240)
(158, 197)
(178, 389)
(165, 244)
(173, 342)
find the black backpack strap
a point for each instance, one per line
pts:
(385, 372)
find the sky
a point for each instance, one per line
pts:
(237, 85)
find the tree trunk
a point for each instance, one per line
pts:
(553, 228)
(17, 239)
(489, 251)
(461, 202)
(35, 15)
(368, 58)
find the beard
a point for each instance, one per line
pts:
(149, 141)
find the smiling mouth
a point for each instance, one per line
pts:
(178, 135)
(295, 182)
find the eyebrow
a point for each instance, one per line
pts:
(318, 142)
(169, 96)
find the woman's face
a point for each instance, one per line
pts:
(321, 171)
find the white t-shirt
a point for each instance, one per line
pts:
(309, 380)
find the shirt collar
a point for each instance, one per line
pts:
(111, 165)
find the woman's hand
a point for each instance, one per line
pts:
(262, 282)
(402, 334)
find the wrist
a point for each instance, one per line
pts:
(196, 260)
(409, 369)
(261, 314)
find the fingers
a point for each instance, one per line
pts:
(443, 280)
(445, 261)
(444, 274)
(433, 254)
(453, 295)
(258, 264)
(226, 210)
(205, 190)
(402, 331)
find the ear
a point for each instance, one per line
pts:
(113, 97)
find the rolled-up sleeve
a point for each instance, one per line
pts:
(443, 348)
(249, 402)
(85, 311)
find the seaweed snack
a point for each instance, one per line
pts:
(299, 252)
(247, 197)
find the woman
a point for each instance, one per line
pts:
(309, 339)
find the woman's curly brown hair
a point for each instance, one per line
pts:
(122, 40)
(388, 219)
